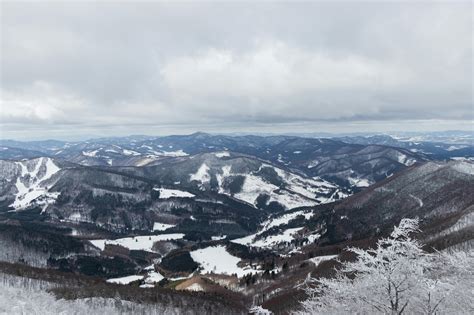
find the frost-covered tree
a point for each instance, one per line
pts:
(396, 277)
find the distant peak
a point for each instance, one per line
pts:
(199, 134)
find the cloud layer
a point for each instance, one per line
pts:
(152, 68)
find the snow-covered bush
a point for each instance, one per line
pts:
(397, 277)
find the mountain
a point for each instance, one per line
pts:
(441, 195)
(431, 147)
(350, 165)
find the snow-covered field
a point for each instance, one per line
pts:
(162, 226)
(125, 280)
(216, 259)
(138, 242)
(166, 193)
(222, 154)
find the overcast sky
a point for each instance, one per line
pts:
(88, 69)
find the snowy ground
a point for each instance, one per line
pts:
(166, 193)
(125, 280)
(216, 259)
(157, 226)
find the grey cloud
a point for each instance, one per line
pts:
(113, 67)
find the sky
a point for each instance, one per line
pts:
(88, 69)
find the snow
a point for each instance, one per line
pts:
(462, 158)
(75, 216)
(130, 152)
(285, 236)
(254, 186)
(222, 154)
(319, 259)
(420, 202)
(359, 182)
(177, 153)
(90, 153)
(218, 238)
(464, 167)
(125, 280)
(162, 226)
(258, 310)
(216, 259)
(31, 187)
(403, 159)
(28, 296)
(456, 147)
(298, 191)
(137, 242)
(166, 193)
(195, 287)
(202, 174)
(269, 241)
(284, 219)
(153, 277)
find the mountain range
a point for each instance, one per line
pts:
(243, 217)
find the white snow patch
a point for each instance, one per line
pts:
(154, 277)
(216, 259)
(166, 193)
(420, 202)
(176, 153)
(359, 182)
(90, 153)
(319, 259)
(162, 226)
(403, 159)
(258, 310)
(464, 167)
(202, 174)
(284, 219)
(217, 238)
(125, 280)
(269, 241)
(130, 152)
(222, 154)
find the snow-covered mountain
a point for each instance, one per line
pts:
(352, 164)
(29, 182)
